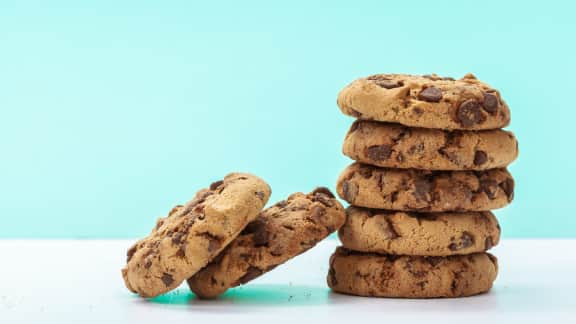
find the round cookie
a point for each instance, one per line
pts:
(426, 234)
(397, 146)
(425, 101)
(384, 275)
(280, 233)
(420, 190)
(192, 235)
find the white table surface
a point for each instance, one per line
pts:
(78, 281)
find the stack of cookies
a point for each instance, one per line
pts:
(430, 164)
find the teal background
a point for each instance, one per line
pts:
(113, 111)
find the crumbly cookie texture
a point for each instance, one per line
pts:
(281, 232)
(425, 234)
(397, 146)
(420, 190)
(427, 101)
(193, 234)
(384, 275)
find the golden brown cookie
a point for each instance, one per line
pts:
(425, 101)
(384, 275)
(397, 146)
(411, 233)
(419, 190)
(192, 235)
(280, 233)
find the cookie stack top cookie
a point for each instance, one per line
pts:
(427, 101)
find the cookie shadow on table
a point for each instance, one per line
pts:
(259, 294)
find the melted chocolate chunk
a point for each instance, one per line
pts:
(379, 152)
(490, 103)
(469, 113)
(430, 94)
(167, 279)
(480, 157)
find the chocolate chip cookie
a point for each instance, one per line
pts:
(411, 233)
(193, 234)
(281, 232)
(397, 146)
(420, 190)
(427, 101)
(384, 275)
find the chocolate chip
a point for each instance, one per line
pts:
(387, 83)
(434, 261)
(422, 189)
(259, 232)
(448, 78)
(216, 184)
(317, 215)
(251, 273)
(488, 243)
(508, 187)
(430, 94)
(490, 103)
(148, 263)
(469, 113)
(181, 253)
(489, 186)
(417, 111)
(379, 152)
(480, 157)
(260, 194)
(177, 238)
(324, 191)
(350, 190)
(365, 172)
(167, 279)
(466, 240)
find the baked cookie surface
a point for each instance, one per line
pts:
(280, 233)
(420, 190)
(397, 146)
(426, 101)
(381, 275)
(193, 234)
(426, 234)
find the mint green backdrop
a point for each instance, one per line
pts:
(113, 111)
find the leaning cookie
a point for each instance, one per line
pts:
(397, 146)
(280, 233)
(385, 275)
(412, 233)
(192, 235)
(425, 101)
(420, 190)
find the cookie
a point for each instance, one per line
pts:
(410, 233)
(385, 275)
(397, 146)
(425, 101)
(192, 235)
(281, 232)
(420, 190)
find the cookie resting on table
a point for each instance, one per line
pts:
(280, 233)
(193, 234)
(385, 275)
